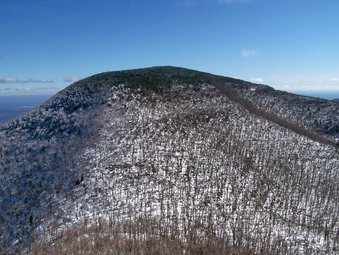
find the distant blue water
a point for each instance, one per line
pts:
(330, 95)
(12, 106)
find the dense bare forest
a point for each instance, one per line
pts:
(170, 161)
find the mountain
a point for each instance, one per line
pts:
(168, 160)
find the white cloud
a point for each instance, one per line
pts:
(257, 80)
(249, 53)
(73, 78)
(304, 82)
(9, 80)
(30, 91)
(23, 89)
(15, 80)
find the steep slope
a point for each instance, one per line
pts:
(172, 147)
(316, 114)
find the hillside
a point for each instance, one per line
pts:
(168, 153)
(316, 114)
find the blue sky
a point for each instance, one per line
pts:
(45, 45)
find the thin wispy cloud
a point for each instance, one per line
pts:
(8, 80)
(304, 82)
(15, 80)
(249, 53)
(73, 78)
(257, 80)
(25, 90)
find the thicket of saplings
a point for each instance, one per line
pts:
(139, 237)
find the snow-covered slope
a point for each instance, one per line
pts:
(316, 114)
(171, 146)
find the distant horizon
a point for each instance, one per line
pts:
(288, 45)
(325, 94)
(12, 106)
(19, 104)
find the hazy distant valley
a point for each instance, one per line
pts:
(12, 106)
(169, 159)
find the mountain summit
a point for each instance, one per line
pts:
(167, 158)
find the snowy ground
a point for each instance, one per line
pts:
(200, 160)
